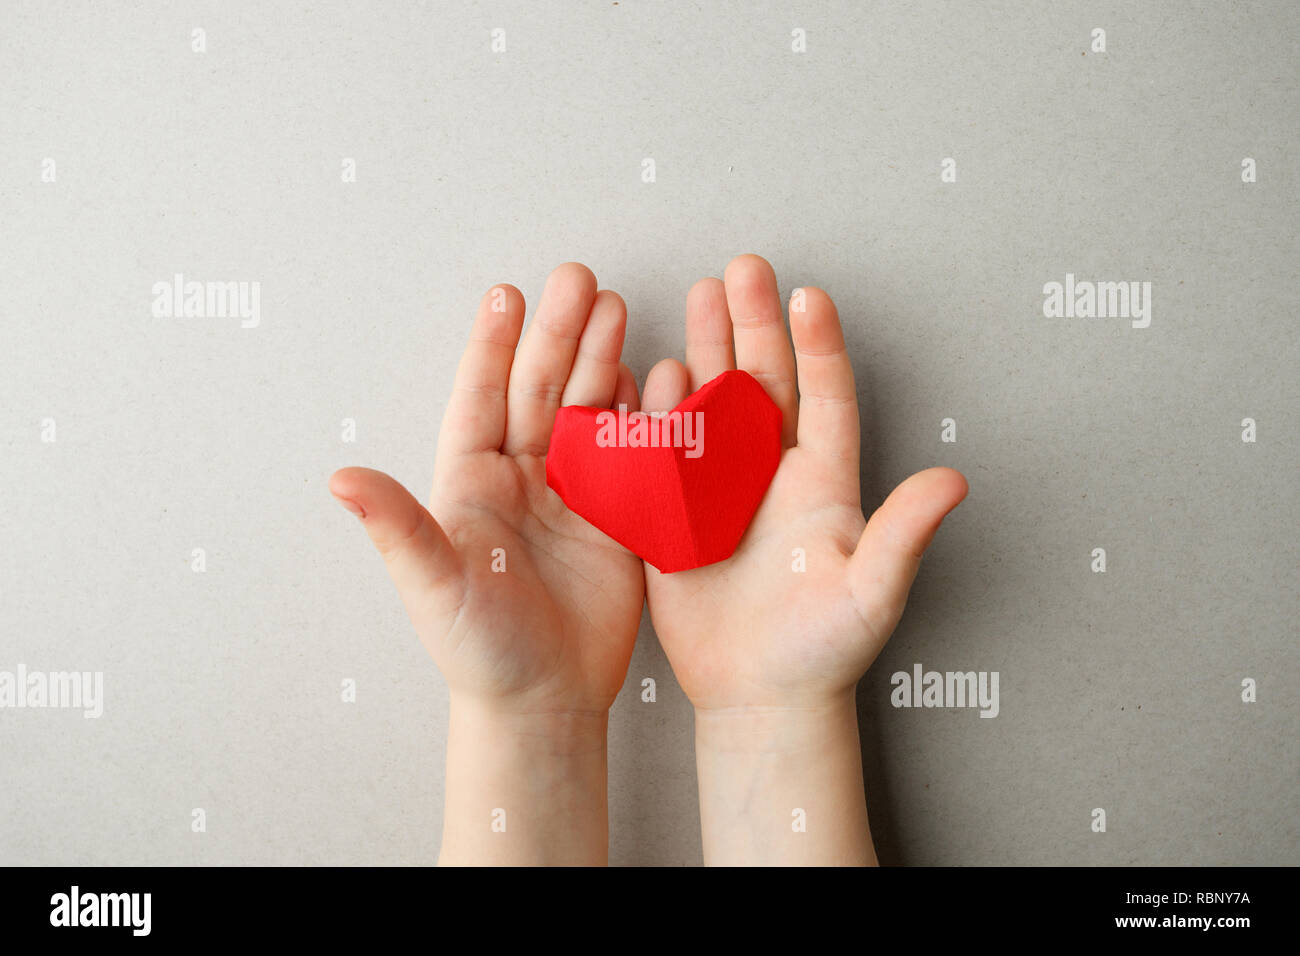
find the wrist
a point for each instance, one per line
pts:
(537, 731)
(782, 784)
(794, 727)
(524, 786)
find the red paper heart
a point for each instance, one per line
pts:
(673, 509)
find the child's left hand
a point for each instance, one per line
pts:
(522, 603)
(529, 612)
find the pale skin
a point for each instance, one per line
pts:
(535, 655)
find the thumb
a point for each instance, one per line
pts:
(888, 555)
(420, 559)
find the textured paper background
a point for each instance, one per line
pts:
(1118, 690)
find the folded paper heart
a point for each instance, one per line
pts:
(678, 490)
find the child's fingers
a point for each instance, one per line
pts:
(762, 345)
(545, 357)
(625, 392)
(888, 554)
(476, 413)
(595, 368)
(420, 559)
(828, 399)
(709, 351)
(665, 386)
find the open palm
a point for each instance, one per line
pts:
(813, 591)
(515, 597)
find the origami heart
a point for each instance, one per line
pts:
(678, 490)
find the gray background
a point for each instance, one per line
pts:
(1118, 690)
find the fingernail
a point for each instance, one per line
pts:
(352, 506)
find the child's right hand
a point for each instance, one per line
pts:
(770, 655)
(752, 631)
